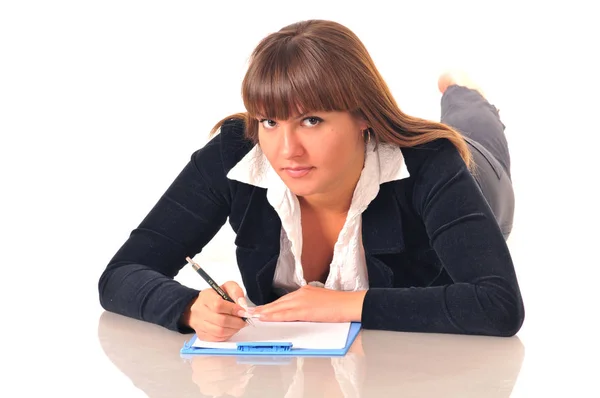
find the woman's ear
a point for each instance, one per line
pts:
(360, 120)
(363, 125)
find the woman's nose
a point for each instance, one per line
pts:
(290, 143)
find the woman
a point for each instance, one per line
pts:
(344, 208)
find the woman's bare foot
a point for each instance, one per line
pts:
(459, 78)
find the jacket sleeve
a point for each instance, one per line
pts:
(484, 297)
(138, 281)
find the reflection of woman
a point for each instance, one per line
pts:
(378, 364)
(326, 182)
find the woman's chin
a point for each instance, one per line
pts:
(302, 192)
(301, 188)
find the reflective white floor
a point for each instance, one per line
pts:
(102, 104)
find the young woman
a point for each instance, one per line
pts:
(344, 207)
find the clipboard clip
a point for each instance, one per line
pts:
(187, 344)
(264, 347)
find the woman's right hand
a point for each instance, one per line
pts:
(216, 319)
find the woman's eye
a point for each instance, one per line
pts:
(312, 121)
(269, 123)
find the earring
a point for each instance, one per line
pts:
(368, 133)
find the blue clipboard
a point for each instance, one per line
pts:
(271, 349)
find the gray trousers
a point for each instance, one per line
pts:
(470, 113)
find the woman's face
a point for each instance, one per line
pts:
(315, 153)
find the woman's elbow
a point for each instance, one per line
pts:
(506, 316)
(102, 289)
(110, 284)
(511, 325)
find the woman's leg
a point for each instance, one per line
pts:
(464, 108)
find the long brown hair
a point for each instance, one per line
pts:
(320, 65)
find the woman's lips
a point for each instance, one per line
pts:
(297, 172)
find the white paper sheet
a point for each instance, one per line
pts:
(306, 335)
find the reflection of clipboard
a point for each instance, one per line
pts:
(272, 348)
(264, 360)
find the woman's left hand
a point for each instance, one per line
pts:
(314, 304)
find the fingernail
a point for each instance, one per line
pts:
(243, 314)
(242, 302)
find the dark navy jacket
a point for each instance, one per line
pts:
(436, 258)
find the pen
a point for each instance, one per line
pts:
(213, 284)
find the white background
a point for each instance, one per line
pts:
(103, 102)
